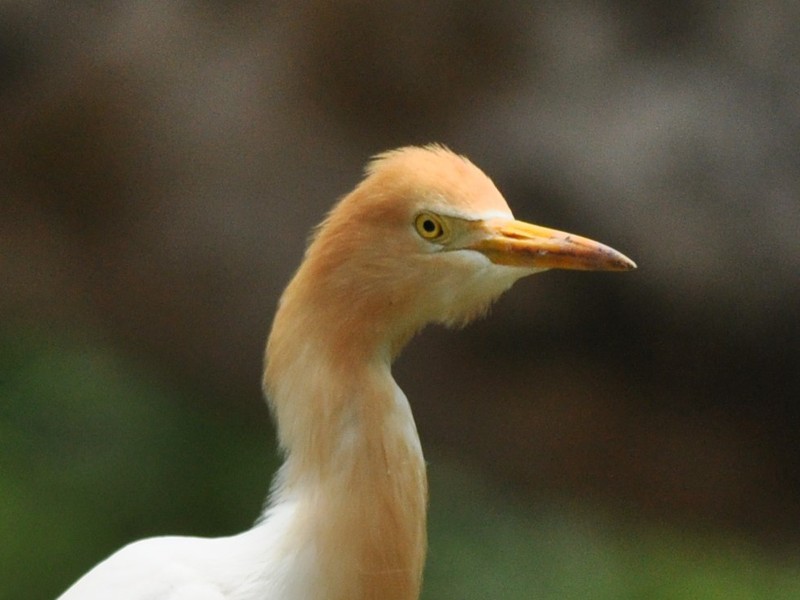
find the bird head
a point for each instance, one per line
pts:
(427, 237)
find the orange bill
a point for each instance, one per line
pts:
(520, 244)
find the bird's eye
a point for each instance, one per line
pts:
(429, 226)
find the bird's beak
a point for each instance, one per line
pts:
(520, 244)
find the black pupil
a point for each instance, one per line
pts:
(429, 226)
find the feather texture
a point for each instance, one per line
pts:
(425, 237)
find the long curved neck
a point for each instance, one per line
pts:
(354, 468)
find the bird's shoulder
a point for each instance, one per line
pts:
(161, 568)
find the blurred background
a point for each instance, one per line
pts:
(599, 436)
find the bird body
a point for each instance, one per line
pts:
(425, 237)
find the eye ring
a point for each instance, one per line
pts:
(429, 226)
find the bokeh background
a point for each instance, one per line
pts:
(599, 436)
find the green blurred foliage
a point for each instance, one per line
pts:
(95, 452)
(486, 544)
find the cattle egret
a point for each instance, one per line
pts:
(425, 237)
